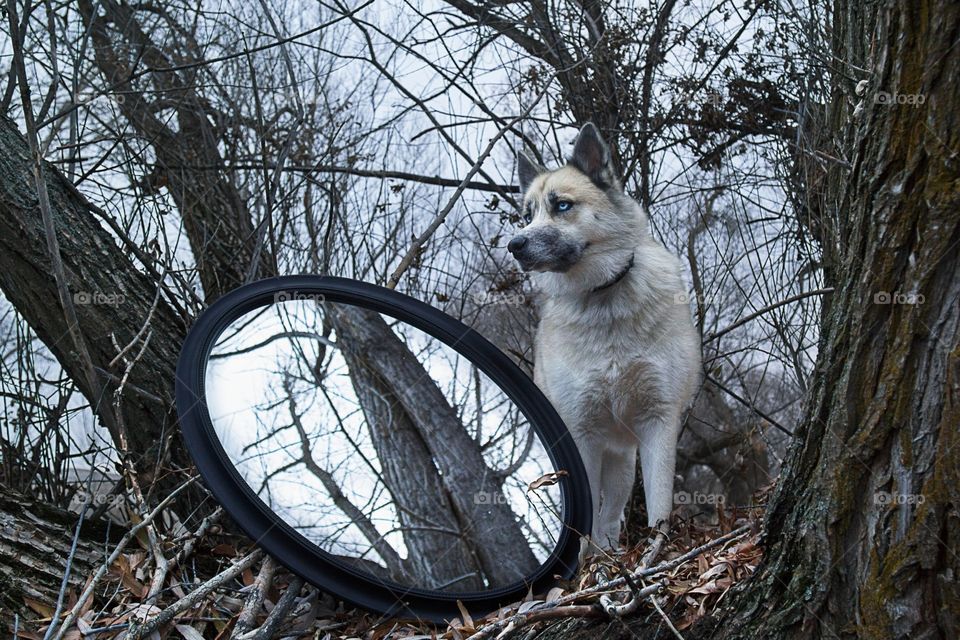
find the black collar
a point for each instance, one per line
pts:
(617, 278)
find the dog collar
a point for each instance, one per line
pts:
(620, 276)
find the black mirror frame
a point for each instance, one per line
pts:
(293, 550)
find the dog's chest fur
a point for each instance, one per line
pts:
(620, 355)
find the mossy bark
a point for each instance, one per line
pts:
(863, 530)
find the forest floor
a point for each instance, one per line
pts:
(219, 593)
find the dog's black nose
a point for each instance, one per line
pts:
(517, 243)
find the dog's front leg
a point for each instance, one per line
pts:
(590, 447)
(616, 483)
(657, 438)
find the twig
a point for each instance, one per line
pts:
(146, 324)
(438, 220)
(66, 573)
(187, 550)
(659, 538)
(759, 312)
(254, 602)
(665, 617)
(745, 402)
(279, 614)
(102, 569)
(520, 619)
(202, 63)
(168, 614)
(615, 609)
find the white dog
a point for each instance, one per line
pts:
(616, 351)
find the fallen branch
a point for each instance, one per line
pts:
(255, 599)
(279, 614)
(194, 597)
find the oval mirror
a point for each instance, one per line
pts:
(379, 448)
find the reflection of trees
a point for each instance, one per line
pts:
(432, 466)
(382, 447)
(359, 519)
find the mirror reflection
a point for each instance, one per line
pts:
(383, 446)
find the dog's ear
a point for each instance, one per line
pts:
(527, 170)
(591, 155)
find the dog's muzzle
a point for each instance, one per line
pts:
(545, 250)
(516, 245)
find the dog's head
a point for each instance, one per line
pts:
(574, 212)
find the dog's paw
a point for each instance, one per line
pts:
(593, 553)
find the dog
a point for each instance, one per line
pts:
(615, 351)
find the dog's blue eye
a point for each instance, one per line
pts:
(563, 206)
(527, 214)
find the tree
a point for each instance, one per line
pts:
(863, 529)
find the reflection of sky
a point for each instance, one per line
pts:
(276, 359)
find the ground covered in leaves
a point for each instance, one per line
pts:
(226, 589)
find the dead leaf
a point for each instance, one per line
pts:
(188, 632)
(547, 479)
(467, 620)
(224, 549)
(44, 610)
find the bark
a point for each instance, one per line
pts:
(437, 549)
(35, 541)
(845, 559)
(490, 526)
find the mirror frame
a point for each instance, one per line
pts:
(303, 557)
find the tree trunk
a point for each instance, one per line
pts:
(437, 551)
(491, 526)
(863, 530)
(35, 541)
